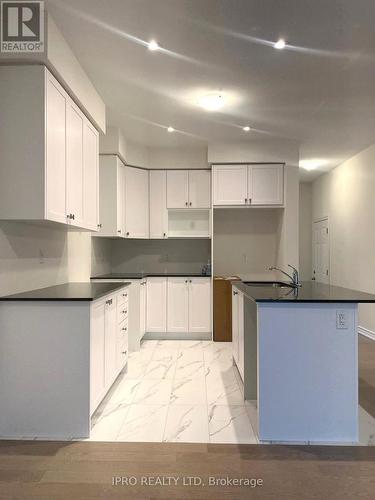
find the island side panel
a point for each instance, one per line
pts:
(250, 349)
(44, 369)
(308, 373)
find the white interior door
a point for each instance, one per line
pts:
(178, 305)
(199, 189)
(156, 309)
(199, 305)
(177, 189)
(230, 185)
(321, 251)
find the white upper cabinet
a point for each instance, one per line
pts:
(230, 184)
(112, 196)
(158, 204)
(248, 185)
(90, 176)
(54, 172)
(136, 203)
(199, 188)
(74, 164)
(55, 166)
(266, 184)
(199, 305)
(178, 305)
(188, 189)
(156, 316)
(177, 188)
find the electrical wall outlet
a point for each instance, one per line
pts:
(342, 320)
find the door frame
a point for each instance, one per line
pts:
(315, 221)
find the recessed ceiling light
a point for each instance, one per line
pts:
(153, 45)
(246, 129)
(280, 44)
(313, 163)
(211, 102)
(170, 129)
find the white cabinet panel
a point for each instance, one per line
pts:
(158, 204)
(110, 340)
(55, 150)
(178, 305)
(241, 339)
(199, 304)
(90, 176)
(235, 326)
(74, 164)
(177, 189)
(121, 206)
(266, 184)
(143, 308)
(136, 203)
(199, 189)
(156, 305)
(230, 185)
(97, 349)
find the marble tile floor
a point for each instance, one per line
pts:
(176, 391)
(185, 391)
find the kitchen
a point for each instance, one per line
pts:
(172, 255)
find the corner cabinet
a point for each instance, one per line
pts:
(248, 185)
(53, 175)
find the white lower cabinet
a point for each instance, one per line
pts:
(178, 305)
(108, 344)
(156, 314)
(238, 341)
(189, 305)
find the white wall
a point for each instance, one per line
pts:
(245, 242)
(160, 255)
(36, 256)
(179, 157)
(305, 230)
(347, 196)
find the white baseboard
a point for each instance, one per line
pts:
(366, 332)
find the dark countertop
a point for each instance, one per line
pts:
(68, 292)
(310, 291)
(139, 276)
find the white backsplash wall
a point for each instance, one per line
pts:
(101, 257)
(170, 255)
(35, 257)
(246, 242)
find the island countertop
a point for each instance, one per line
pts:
(136, 276)
(67, 292)
(310, 291)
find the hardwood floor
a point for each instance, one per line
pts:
(85, 470)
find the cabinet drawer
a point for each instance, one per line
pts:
(122, 312)
(122, 297)
(122, 349)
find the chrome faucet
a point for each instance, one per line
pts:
(294, 277)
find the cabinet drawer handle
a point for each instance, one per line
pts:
(235, 293)
(124, 294)
(100, 226)
(124, 352)
(124, 329)
(124, 312)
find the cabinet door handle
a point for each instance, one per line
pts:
(250, 201)
(99, 226)
(190, 203)
(124, 352)
(164, 235)
(186, 203)
(127, 234)
(190, 281)
(186, 281)
(119, 231)
(235, 293)
(73, 216)
(245, 200)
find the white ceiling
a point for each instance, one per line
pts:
(319, 91)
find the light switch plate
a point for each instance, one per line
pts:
(342, 321)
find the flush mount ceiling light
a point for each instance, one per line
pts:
(211, 102)
(246, 129)
(153, 45)
(170, 129)
(280, 44)
(313, 164)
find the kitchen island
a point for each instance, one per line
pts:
(62, 347)
(298, 357)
